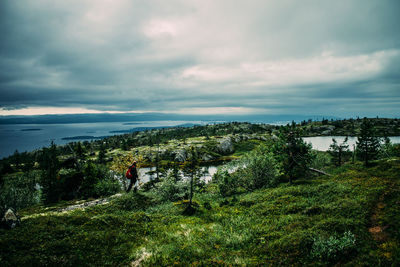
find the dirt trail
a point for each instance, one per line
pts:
(378, 231)
(95, 202)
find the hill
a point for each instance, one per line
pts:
(350, 219)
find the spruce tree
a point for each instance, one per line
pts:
(292, 152)
(338, 151)
(102, 154)
(368, 144)
(49, 181)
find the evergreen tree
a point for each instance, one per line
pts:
(368, 144)
(102, 154)
(79, 150)
(50, 165)
(338, 151)
(292, 152)
(191, 169)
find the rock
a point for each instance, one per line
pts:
(326, 132)
(226, 146)
(10, 219)
(180, 155)
(206, 157)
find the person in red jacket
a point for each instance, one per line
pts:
(132, 175)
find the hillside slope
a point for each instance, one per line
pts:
(323, 220)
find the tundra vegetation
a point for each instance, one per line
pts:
(264, 205)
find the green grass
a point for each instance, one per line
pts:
(314, 221)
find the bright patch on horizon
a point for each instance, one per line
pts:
(50, 111)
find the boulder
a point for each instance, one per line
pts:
(180, 155)
(225, 146)
(10, 219)
(206, 157)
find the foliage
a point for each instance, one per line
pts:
(19, 190)
(387, 149)
(334, 247)
(170, 189)
(50, 180)
(255, 170)
(312, 222)
(320, 159)
(191, 169)
(228, 184)
(368, 144)
(97, 181)
(339, 152)
(259, 169)
(292, 152)
(106, 187)
(132, 201)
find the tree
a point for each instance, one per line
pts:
(368, 144)
(102, 154)
(338, 151)
(50, 165)
(292, 152)
(79, 150)
(191, 169)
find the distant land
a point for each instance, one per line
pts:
(83, 137)
(139, 129)
(32, 129)
(132, 117)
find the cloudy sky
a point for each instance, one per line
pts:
(339, 58)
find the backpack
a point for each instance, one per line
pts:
(128, 173)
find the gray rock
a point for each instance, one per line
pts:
(180, 155)
(10, 219)
(225, 146)
(206, 157)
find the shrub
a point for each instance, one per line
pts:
(227, 183)
(255, 170)
(259, 169)
(107, 187)
(170, 189)
(320, 159)
(132, 201)
(332, 248)
(20, 190)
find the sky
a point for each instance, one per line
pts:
(338, 58)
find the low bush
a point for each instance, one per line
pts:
(170, 189)
(256, 169)
(107, 187)
(334, 247)
(20, 190)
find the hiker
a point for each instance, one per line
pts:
(132, 175)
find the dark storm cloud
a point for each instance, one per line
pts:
(331, 57)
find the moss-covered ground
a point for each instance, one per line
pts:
(324, 220)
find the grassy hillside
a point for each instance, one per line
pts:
(350, 218)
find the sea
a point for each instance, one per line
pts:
(28, 137)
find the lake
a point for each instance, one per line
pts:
(322, 143)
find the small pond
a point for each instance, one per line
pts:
(322, 143)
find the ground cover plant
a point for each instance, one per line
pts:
(314, 221)
(249, 214)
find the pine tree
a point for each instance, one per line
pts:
(338, 151)
(79, 150)
(191, 169)
(368, 144)
(102, 154)
(292, 152)
(49, 181)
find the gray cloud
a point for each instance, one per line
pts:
(320, 57)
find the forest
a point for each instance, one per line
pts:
(273, 200)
